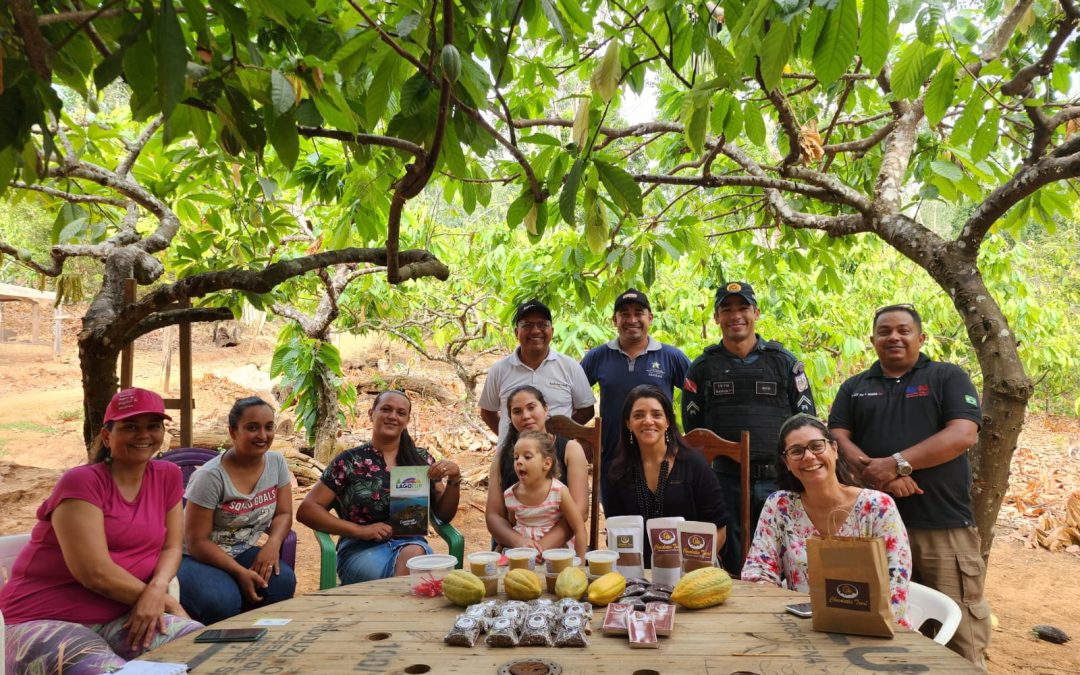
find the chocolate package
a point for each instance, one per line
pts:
(666, 559)
(642, 631)
(697, 545)
(624, 536)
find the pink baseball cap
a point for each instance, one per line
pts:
(132, 402)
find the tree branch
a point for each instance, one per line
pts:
(137, 147)
(895, 159)
(1021, 85)
(171, 317)
(1004, 32)
(862, 144)
(659, 51)
(69, 196)
(362, 139)
(1026, 181)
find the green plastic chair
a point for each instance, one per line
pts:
(328, 551)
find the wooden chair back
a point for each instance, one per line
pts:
(589, 437)
(712, 446)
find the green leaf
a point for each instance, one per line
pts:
(285, 138)
(734, 122)
(986, 137)
(282, 94)
(947, 170)
(812, 31)
(776, 51)
(555, 19)
(835, 48)
(965, 125)
(172, 58)
(940, 93)
(414, 93)
(568, 196)
(874, 36)
(605, 79)
(621, 186)
(754, 123)
(518, 208)
(915, 64)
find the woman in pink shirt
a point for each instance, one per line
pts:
(89, 590)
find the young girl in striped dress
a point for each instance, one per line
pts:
(539, 500)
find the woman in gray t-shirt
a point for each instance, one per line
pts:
(231, 501)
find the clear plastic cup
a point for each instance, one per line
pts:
(558, 559)
(426, 570)
(601, 562)
(523, 558)
(483, 563)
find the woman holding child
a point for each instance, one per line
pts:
(528, 412)
(819, 496)
(89, 590)
(356, 484)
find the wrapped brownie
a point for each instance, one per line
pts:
(464, 633)
(642, 631)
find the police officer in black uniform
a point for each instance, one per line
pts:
(744, 383)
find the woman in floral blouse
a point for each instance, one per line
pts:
(819, 496)
(356, 484)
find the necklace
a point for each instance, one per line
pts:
(650, 505)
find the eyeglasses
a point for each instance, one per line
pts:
(529, 326)
(797, 452)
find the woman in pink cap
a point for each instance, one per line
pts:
(89, 590)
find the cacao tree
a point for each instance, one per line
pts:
(629, 134)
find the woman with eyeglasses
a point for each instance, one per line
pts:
(819, 496)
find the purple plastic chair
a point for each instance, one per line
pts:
(189, 459)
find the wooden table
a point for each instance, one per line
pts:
(379, 627)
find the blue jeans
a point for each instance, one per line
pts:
(210, 594)
(731, 554)
(363, 560)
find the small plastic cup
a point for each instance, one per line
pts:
(523, 558)
(558, 559)
(601, 562)
(491, 585)
(484, 563)
(426, 570)
(551, 579)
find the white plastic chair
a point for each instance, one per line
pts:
(925, 603)
(9, 550)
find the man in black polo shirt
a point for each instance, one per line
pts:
(744, 383)
(905, 425)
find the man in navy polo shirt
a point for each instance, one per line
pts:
(632, 358)
(744, 383)
(905, 425)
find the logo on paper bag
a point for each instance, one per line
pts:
(853, 595)
(624, 541)
(667, 537)
(696, 542)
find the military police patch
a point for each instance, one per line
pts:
(723, 388)
(801, 383)
(765, 388)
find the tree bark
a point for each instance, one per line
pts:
(326, 416)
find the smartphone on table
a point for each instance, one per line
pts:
(800, 609)
(231, 635)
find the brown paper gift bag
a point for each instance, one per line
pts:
(849, 585)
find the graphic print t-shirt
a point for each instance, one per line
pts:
(239, 518)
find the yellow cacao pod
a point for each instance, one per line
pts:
(463, 588)
(607, 588)
(703, 587)
(571, 583)
(522, 585)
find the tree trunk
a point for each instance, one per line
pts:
(1006, 387)
(326, 416)
(99, 382)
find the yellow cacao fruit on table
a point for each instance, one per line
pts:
(571, 583)
(703, 587)
(522, 585)
(607, 589)
(463, 588)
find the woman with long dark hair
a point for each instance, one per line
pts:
(231, 501)
(357, 484)
(819, 495)
(528, 411)
(656, 474)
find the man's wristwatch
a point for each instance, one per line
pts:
(903, 467)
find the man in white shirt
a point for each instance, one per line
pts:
(534, 362)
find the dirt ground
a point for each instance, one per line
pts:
(40, 436)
